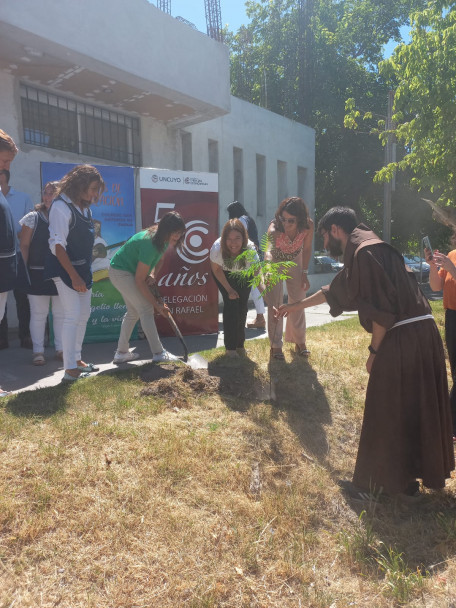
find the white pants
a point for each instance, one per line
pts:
(76, 306)
(257, 301)
(137, 308)
(3, 299)
(39, 310)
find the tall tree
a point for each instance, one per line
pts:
(302, 59)
(423, 74)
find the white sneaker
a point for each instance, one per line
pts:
(164, 356)
(124, 357)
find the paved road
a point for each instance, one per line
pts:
(18, 374)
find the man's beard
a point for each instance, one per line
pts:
(334, 246)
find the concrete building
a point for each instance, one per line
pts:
(115, 82)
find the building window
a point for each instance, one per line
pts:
(212, 148)
(187, 157)
(261, 184)
(53, 121)
(282, 181)
(302, 182)
(238, 174)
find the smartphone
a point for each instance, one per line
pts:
(427, 245)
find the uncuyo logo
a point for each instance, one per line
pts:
(155, 178)
(193, 250)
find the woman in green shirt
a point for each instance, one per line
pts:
(133, 265)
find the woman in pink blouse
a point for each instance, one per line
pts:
(290, 237)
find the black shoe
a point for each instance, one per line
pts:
(26, 342)
(3, 344)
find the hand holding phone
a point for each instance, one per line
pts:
(427, 245)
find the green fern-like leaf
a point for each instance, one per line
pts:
(261, 272)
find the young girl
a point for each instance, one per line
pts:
(133, 266)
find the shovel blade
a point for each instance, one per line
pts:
(196, 361)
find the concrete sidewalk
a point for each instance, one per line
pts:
(17, 373)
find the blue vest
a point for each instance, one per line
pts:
(8, 246)
(79, 249)
(39, 248)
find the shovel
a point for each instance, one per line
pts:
(196, 361)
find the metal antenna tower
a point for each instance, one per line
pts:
(164, 5)
(213, 19)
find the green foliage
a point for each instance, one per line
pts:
(262, 273)
(302, 59)
(423, 75)
(401, 582)
(359, 545)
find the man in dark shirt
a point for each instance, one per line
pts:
(407, 430)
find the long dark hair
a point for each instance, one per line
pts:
(232, 225)
(236, 210)
(294, 206)
(78, 180)
(161, 232)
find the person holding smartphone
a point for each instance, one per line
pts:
(442, 276)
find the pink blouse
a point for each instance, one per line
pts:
(284, 249)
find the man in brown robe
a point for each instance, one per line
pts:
(407, 429)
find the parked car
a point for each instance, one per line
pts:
(324, 263)
(420, 270)
(418, 260)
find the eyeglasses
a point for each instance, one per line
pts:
(288, 220)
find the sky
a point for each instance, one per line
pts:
(233, 15)
(233, 12)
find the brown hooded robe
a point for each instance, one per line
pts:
(407, 428)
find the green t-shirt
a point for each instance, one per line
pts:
(137, 249)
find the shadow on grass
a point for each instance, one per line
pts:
(298, 392)
(238, 381)
(292, 388)
(42, 403)
(422, 532)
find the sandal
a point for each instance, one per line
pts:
(257, 324)
(302, 351)
(69, 378)
(88, 367)
(38, 359)
(276, 353)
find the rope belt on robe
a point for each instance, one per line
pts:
(411, 320)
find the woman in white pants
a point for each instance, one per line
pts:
(132, 269)
(34, 240)
(71, 238)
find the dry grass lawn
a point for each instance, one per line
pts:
(170, 488)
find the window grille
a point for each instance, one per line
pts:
(53, 121)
